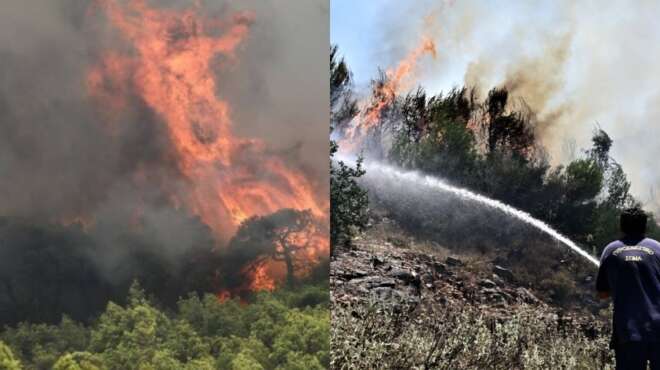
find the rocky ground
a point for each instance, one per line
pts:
(392, 271)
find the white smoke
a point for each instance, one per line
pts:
(577, 64)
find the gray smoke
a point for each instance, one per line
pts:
(59, 161)
(576, 64)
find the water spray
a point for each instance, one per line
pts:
(378, 170)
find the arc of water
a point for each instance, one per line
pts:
(433, 182)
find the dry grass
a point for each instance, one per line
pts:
(365, 337)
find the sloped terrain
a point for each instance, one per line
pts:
(401, 304)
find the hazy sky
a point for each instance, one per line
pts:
(577, 64)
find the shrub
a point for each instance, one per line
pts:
(460, 337)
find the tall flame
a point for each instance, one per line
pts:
(397, 80)
(169, 69)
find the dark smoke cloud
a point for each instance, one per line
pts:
(59, 161)
(279, 91)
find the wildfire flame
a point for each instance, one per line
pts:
(262, 278)
(397, 80)
(170, 69)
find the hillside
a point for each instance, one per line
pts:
(413, 304)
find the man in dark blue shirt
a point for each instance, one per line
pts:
(630, 273)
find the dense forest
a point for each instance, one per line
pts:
(287, 329)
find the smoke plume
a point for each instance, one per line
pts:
(577, 65)
(83, 140)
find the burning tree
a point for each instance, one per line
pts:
(223, 178)
(287, 236)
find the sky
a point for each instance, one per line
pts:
(578, 65)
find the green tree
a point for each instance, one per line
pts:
(237, 352)
(434, 136)
(301, 361)
(306, 332)
(600, 151)
(210, 317)
(243, 361)
(43, 344)
(79, 361)
(506, 130)
(204, 333)
(7, 359)
(139, 336)
(348, 201)
(343, 106)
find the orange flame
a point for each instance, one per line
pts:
(267, 274)
(170, 69)
(223, 295)
(262, 278)
(397, 79)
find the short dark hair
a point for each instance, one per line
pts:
(633, 221)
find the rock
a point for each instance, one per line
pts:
(489, 291)
(408, 277)
(382, 293)
(371, 282)
(493, 295)
(497, 279)
(377, 261)
(504, 273)
(486, 283)
(412, 300)
(507, 296)
(427, 277)
(356, 290)
(526, 295)
(453, 261)
(501, 304)
(401, 274)
(440, 268)
(354, 274)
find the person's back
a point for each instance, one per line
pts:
(630, 272)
